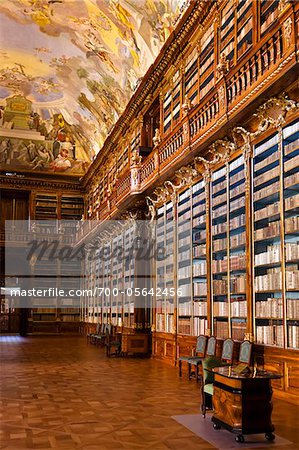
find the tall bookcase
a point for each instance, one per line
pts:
(108, 295)
(253, 203)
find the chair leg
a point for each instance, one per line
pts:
(196, 373)
(189, 371)
(203, 405)
(180, 368)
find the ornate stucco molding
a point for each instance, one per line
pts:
(273, 113)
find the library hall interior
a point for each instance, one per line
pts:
(149, 224)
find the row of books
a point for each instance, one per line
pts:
(199, 250)
(236, 191)
(220, 309)
(292, 251)
(238, 330)
(266, 176)
(291, 146)
(237, 177)
(266, 192)
(184, 326)
(184, 255)
(272, 255)
(221, 329)
(270, 334)
(266, 22)
(160, 322)
(271, 230)
(219, 211)
(185, 216)
(200, 289)
(199, 236)
(292, 308)
(185, 290)
(184, 272)
(219, 199)
(199, 308)
(238, 284)
(291, 180)
(292, 279)
(220, 286)
(200, 269)
(199, 220)
(199, 326)
(269, 308)
(292, 202)
(239, 308)
(182, 241)
(199, 209)
(237, 240)
(292, 224)
(293, 336)
(268, 211)
(291, 164)
(219, 187)
(236, 204)
(266, 161)
(237, 262)
(271, 281)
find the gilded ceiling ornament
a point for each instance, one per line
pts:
(223, 66)
(273, 113)
(287, 31)
(151, 213)
(282, 5)
(187, 105)
(186, 175)
(157, 137)
(221, 96)
(136, 158)
(223, 148)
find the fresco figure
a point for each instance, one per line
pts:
(61, 163)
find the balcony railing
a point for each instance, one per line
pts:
(272, 53)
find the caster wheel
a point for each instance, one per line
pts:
(270, 436)
(240, 438)
(216, 426)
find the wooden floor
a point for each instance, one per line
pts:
(58, 392)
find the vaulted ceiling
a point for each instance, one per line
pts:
(81, 58)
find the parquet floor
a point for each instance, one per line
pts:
(59, 393)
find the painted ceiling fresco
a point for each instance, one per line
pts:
(79, 61)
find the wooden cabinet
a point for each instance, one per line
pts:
(243, 403)
(136, 344)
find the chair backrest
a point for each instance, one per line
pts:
(207, 364)
(108, 328)
(103, 326)
(228, 350)
(245, 352)
(98, 328)
(211, 346)
(201, 344)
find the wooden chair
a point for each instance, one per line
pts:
(245, 352)
(207, 387)
(101, 338)
(200, 349)
(197, 361)
(90, 336)
(113, 343)
(227, 354)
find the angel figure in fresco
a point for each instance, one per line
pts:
(62, 162)
(95, 48)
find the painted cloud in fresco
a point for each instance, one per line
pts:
(80, 58)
